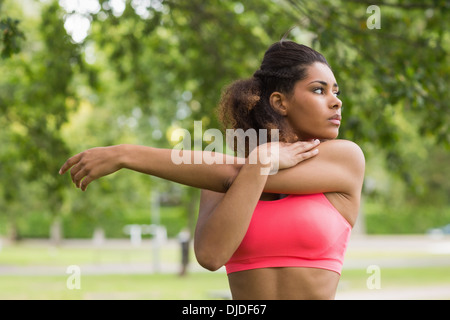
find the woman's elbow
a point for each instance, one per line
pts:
(210, 265)
(209, 261)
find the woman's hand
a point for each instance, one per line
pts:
(280, 155)
(93, 164)
(290, 154)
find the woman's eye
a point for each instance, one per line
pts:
(318, 90)
(322, 91)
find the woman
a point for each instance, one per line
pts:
(280, 236)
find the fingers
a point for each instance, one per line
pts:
(81, 177)
(78, 173)
(305, 150)
(69, 163)
(306, 155)
(78, 176)
(303, 146)
(85, 182)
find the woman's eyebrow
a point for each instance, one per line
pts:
(335, 85)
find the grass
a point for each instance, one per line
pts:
(29, 284)
(154, 287)
(43, 255)
(392, 278)
(199, 285)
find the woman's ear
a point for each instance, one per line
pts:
(278, 103)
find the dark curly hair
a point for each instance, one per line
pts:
(245, 103)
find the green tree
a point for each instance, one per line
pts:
(172, 60)
(393, 78)
(155, 66)
(11, 34)
(35, 86)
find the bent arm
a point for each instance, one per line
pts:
(224, 218)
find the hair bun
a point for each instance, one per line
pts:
(276, 74)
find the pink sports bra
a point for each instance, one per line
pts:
(296, 231)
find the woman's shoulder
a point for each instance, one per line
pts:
(345, 155)
(342, 143)
(345, 150)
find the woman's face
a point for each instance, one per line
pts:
(313, 110)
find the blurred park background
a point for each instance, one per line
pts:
(87, 73)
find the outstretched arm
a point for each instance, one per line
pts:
(216, 172)
(95, 163)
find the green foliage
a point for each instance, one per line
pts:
(389, 75)
(83, 225)
(405, 218)
(142, 72)
(35, 87)
(10, 36)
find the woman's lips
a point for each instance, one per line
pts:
(336, 119)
